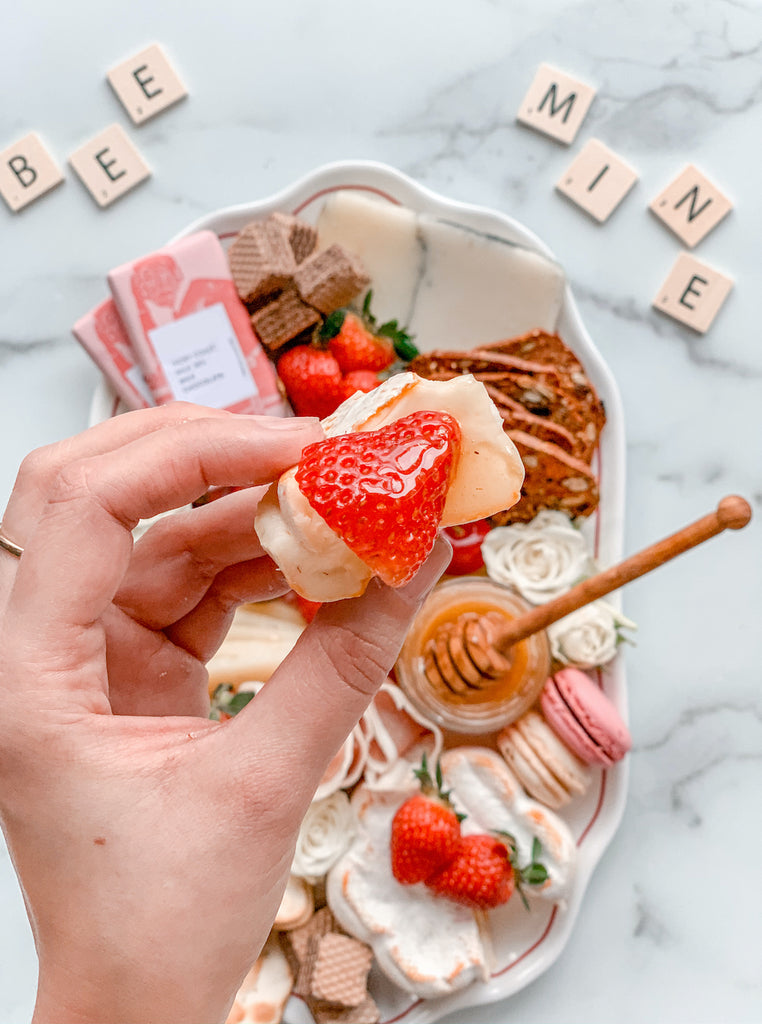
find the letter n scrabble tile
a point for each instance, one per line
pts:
(109, 165)
(597, 180)
(691, 206)
(27, 171)
(555, 104)
(146, 84)
(693, 292)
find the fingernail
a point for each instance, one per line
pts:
(428, 575)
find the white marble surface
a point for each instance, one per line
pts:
(670, 927)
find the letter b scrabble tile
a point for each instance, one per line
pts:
(109, 165)
(693, 292)
(691, 206)
(597, 180)
(555, 104)
(146, 84)
(27, 171)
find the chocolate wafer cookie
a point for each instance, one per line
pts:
(261, 259)
(302, 237)
(283, 319)
(330, 279)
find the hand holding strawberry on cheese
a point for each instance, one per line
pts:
(397, 464)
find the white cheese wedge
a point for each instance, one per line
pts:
(385, 237)
(450, 285)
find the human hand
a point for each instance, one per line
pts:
(153, 845)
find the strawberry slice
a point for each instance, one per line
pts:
(383, 491)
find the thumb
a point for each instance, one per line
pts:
(314, 699)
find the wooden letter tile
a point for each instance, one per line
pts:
(556, 104)
(27, 171)
(691, 206)
(146, 84)
(693, 292)
(109, 165)
(597, 180)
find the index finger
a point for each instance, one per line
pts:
(80, 548)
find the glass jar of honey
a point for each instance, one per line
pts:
(454, 675)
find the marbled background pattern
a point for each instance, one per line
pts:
(670, 930)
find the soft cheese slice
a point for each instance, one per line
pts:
(451, 285)
(478, 288)
(385, 237)
(315, 561)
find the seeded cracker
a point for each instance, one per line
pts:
(261, 259)
(330, 278)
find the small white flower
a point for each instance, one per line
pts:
(329, 826)
(589, 636)
(541, 559)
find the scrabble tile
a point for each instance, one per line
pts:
(691, 206)
(555, 104)
(693, 292)
(27, 171)
(146, 84)
(109, 165)
(597, 180)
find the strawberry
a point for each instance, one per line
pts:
(480, 875)
(383, 491)
(359, 380)
(425, 831)
(312, 379)
(357, 348)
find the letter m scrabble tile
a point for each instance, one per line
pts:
(691, 206)
(555, 104)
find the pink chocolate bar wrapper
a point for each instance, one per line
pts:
(191, 333)
(101, 333)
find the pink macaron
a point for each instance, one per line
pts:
(581, 714)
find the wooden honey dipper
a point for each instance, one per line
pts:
(472, 651)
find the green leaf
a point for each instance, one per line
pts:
(239, 701)
(332, 325)
(366, 313)
(535, 874)
(536, 849)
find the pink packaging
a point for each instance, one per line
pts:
(102, 334)
(191, 333)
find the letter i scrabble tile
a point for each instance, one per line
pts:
(597, 180)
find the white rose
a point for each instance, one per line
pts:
(328, 828)
(541, 559)
(588, 637)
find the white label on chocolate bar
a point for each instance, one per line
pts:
(135, 377)
(202, 359)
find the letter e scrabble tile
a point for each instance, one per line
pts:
(109, 165)
(693, 292)
(555, 104)
(27, 171)
(146, 84)
(597, 180)
(691, 206)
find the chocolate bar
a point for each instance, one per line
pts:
(189, 330)
(101, 333)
